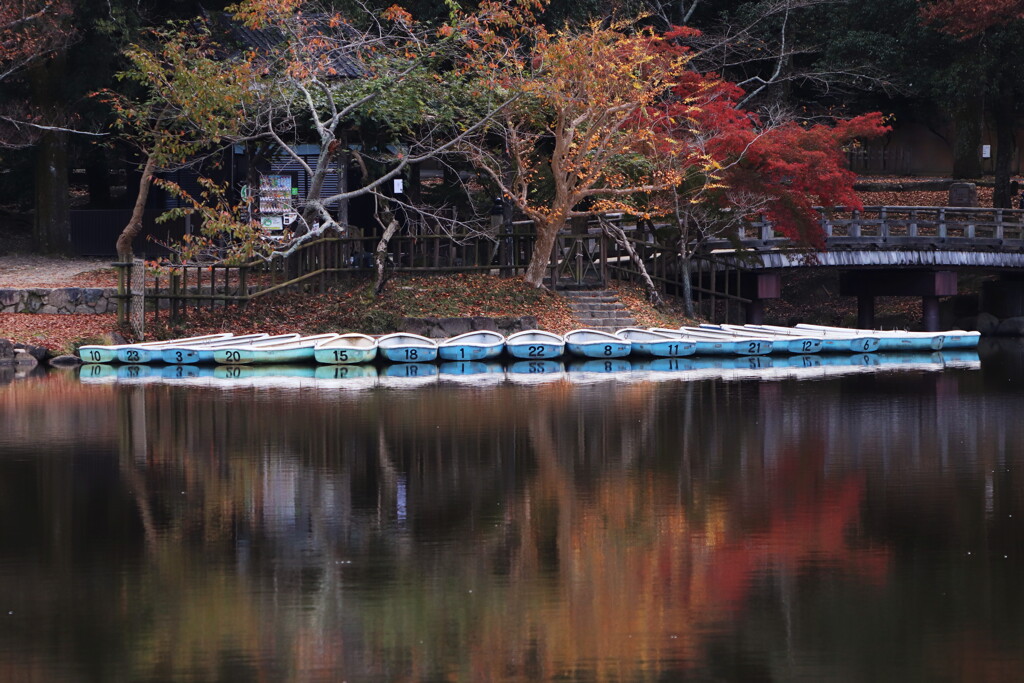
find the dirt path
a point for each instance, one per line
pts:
(30, 270)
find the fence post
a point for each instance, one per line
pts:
(123, 270)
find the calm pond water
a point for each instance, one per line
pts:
(852, 523)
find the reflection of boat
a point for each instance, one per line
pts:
(479, 345)
(186, 371)
(347, 348)
(596, 344)
(296, 350)
(404, 347)
(97, 372)
(263, 371)
(535, 371)
(657, 344)
(610, 366)
(137, 373)
(177, 354)
(471, 368)
(808, 343)
(535, 345)
(107, 353)
(408, 375)
(346, 372)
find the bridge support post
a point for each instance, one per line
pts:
(927, 284)
(865, 311)
(755, 312)
(930, 313)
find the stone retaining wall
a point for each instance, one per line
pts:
(60, 300)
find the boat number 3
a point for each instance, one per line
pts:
(536, 352)
(340, 354)
(132, 355)
(95, 355)
(179, 356)
(233, 355)
(411, 354)
(608, 350)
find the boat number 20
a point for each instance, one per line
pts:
(233, 356)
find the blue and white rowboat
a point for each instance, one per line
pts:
(719, 345)
(296, 350)
(849, 341)
(535, 345)
(597, 344)
(742, 345)
(107, 353)
(186, 354)
(146, 353)
(346, 349)
(903, 340)
(809, 343)
(478, 345)
(404, 347)
(656, 344)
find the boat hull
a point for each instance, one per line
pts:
(469, 352)
(409, 354)
(599, 349)
(345, 356)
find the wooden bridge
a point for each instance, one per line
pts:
(887, 251)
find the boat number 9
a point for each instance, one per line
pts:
(233, 355)
(755, 347)
(608, 350)
(411, 354)
(132, 355)
(536, 352)
(95, 355)
(341, 354)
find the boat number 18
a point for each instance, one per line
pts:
(411, 354)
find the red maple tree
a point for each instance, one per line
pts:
(968, 18)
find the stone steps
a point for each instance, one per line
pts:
(598, 309)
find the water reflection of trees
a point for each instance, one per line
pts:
(612, 531)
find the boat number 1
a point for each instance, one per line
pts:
(411, 354)
(340, 354)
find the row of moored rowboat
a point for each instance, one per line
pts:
(401, 347)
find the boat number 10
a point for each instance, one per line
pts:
(95, 356)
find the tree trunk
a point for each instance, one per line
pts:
(52, 226)
(687, 284)
(541, 257)
(125, 252)
(1003, 116)
(619, 235)
(381, 257)
(967, 140)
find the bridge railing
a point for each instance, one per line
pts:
(964, 226)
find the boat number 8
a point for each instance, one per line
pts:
(608, 350)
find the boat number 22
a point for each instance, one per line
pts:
(536, 352)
